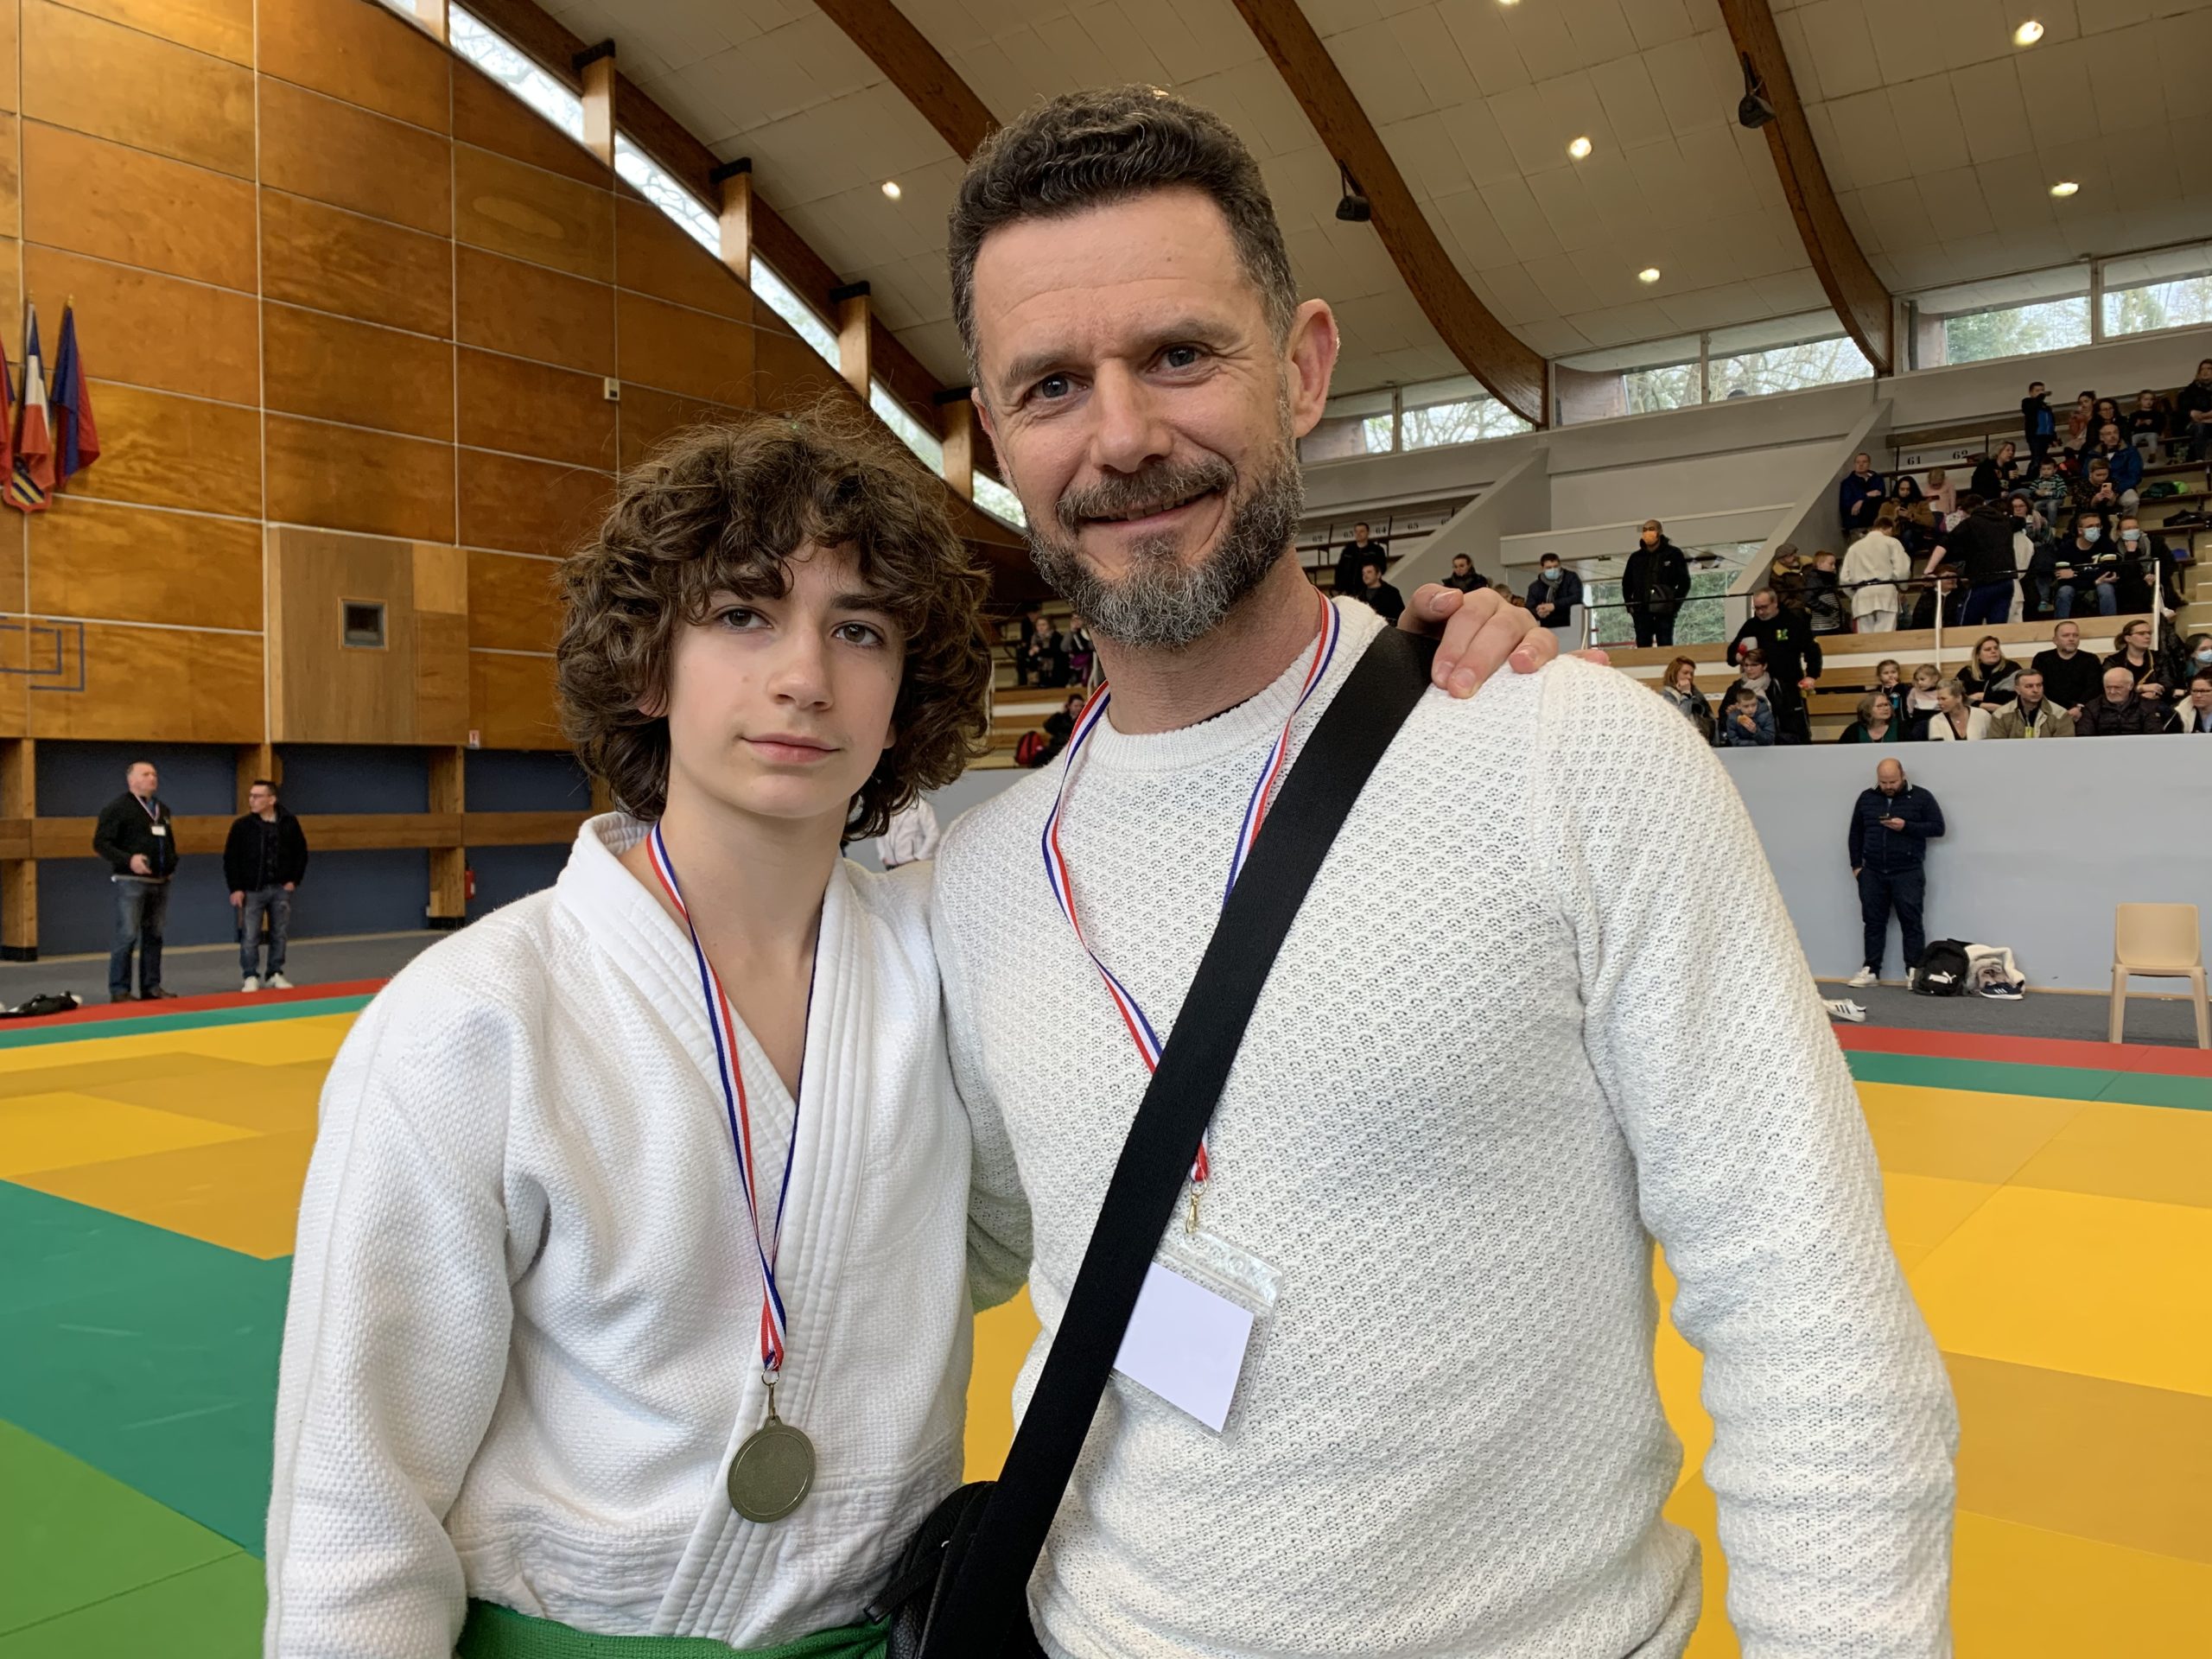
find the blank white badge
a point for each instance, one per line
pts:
(1186, 1344)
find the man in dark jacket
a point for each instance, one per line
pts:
(1354, 553)
(1982, 548)
(1390, 604)
(1463, 577)
(2039, 425)
(1859, 498)
(1554, 593)
(1784, 637)
(264, 859)
(1654, 585)
(1891, 826)
(2121, 711)
(2193, 413)
(2072, 677)
(136, 836)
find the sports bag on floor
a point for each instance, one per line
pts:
(1943, 969)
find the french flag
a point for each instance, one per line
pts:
(32, 476)
(80, 445)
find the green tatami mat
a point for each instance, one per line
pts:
(205, 1612)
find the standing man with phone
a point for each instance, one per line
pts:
(1891, 826)
(136, 836)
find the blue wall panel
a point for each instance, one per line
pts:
(354, 777)
(505, 873)
(78, 779)
(526, 780)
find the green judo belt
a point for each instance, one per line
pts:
(497, 1632)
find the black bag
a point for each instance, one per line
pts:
(961, 1588)
(1943, 969)
(44, 1003)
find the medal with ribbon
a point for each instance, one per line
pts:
(1256, 813)
(774, 1470)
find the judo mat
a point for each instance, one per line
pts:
(2051, 1202)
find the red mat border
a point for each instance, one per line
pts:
(2028, 1051)
(95, 1013)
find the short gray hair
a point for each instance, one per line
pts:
(1091, 149)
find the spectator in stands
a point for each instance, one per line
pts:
(1889, 682)
(2146, 423)
(1878, 723)
(2140, 658)
(1048, 654)
(1463, 575)
(1655, 584)
(2193, 658)
(2107, 414)
(1751, 675)
(2195, 716)
(2081, 423)
(1943, 495)
(1679, 688)
(1390, 604)
(2031, 714)
(265, 860)
(1824, 601)
(1024, 657)
(1916, 525)
(1555, 592)
(1988, 677)
(2037, 425)
(2035, 550)
(1059, 726)
(2123, 464)
(1081, 653)
(1921, 703)
(137, 836)
(2192, 422)
(2086, 567)
(1983, 547)
(1891, 826)
(1872, 571)
(2146, 562)
(1859, 496)
(1355, 555)
(1785, 639)
(1956, 720)
(2072, 677)
(2120, 712)
(2094, 492)
(2048, 490)
(1946, 592)
(1994, 474)
(1746, 722)
(912, 835)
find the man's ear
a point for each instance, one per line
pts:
(1310, 356)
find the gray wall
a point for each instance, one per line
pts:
(2042, 840)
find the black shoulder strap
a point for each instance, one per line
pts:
(990, 1592)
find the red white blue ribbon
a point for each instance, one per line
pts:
(723, 1021)
(1256, 814)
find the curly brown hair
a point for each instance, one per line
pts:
(721, 509)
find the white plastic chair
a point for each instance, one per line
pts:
(2159, 942)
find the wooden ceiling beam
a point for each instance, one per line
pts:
(1861, 301)
(1486, 347)
(918, 69)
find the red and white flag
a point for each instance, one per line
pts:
(32, 477)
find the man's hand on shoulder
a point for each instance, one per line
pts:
(1482, 631)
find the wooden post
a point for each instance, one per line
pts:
(449, 907)
(431, 17)
(596, 64)
(19, 876)
(735, 180)
(956, 414)
(854, 345)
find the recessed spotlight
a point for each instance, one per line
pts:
(1579, 148)
(890, 189)
(2064, 187)
(2028, 33)
(1509, 3)
(1649, 273)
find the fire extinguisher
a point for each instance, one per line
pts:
(468, 883)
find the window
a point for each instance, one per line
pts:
(489, 52)
(1358, 424)
(361, 625)
(1783, 354)
(999, 501)
(1457, 410)
(1630, 379)
(2170, 289)
(659, 186)
(911, 433)
(2005, 316)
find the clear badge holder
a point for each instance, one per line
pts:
(1236, 1275)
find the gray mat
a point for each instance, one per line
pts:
(2164, 1021)
(201, 970)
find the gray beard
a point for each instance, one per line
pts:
(1160, 603)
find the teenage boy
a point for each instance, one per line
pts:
(2036, 418)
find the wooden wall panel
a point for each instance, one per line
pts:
(11, 282)
(362, 53)
(11, 180)
(319, 147)
(344, 478)
(528, 506)
(524, 212)
(786, 372)
(15, 645)
(514, 603)
(339, 370)
(209, 689)
(439, 579)
(680, 350)
(222, 27)
(132, 564)
(153, 330)
(331, 260)
(649, 416)
(507, 403)
(441, 704)
(524, 310)
(9, 41)
(487, 115)
(511, 704)
(112, 82)
(167, 451)
(415, 689)
(653, 256)
(117, 203)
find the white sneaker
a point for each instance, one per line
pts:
(1847, 1010)
(278, 983)
(1862, 979)
(251, 985)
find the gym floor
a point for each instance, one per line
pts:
(2051, 1202)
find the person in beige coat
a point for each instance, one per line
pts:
(2031, 714)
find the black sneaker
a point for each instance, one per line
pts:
(122, 996)
(157, 994)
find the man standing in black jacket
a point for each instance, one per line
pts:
(1891, 826)
(1982, 546)
(138, 841)
(1655, 584)
(263, 861)
(1784, 638)
(1353, 555)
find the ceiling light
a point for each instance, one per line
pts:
(1649, 273)
(1509, 3)
(2064, 187)
(1579, 148)
(890, 189)
(2028, 33)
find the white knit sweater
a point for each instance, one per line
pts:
(522, 1341)
(1515, 1027)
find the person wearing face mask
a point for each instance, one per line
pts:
(2192, 421)
(2195, 718)
(1555, 594)
(2146, 563)
(1655, 584)
(2087, 566)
